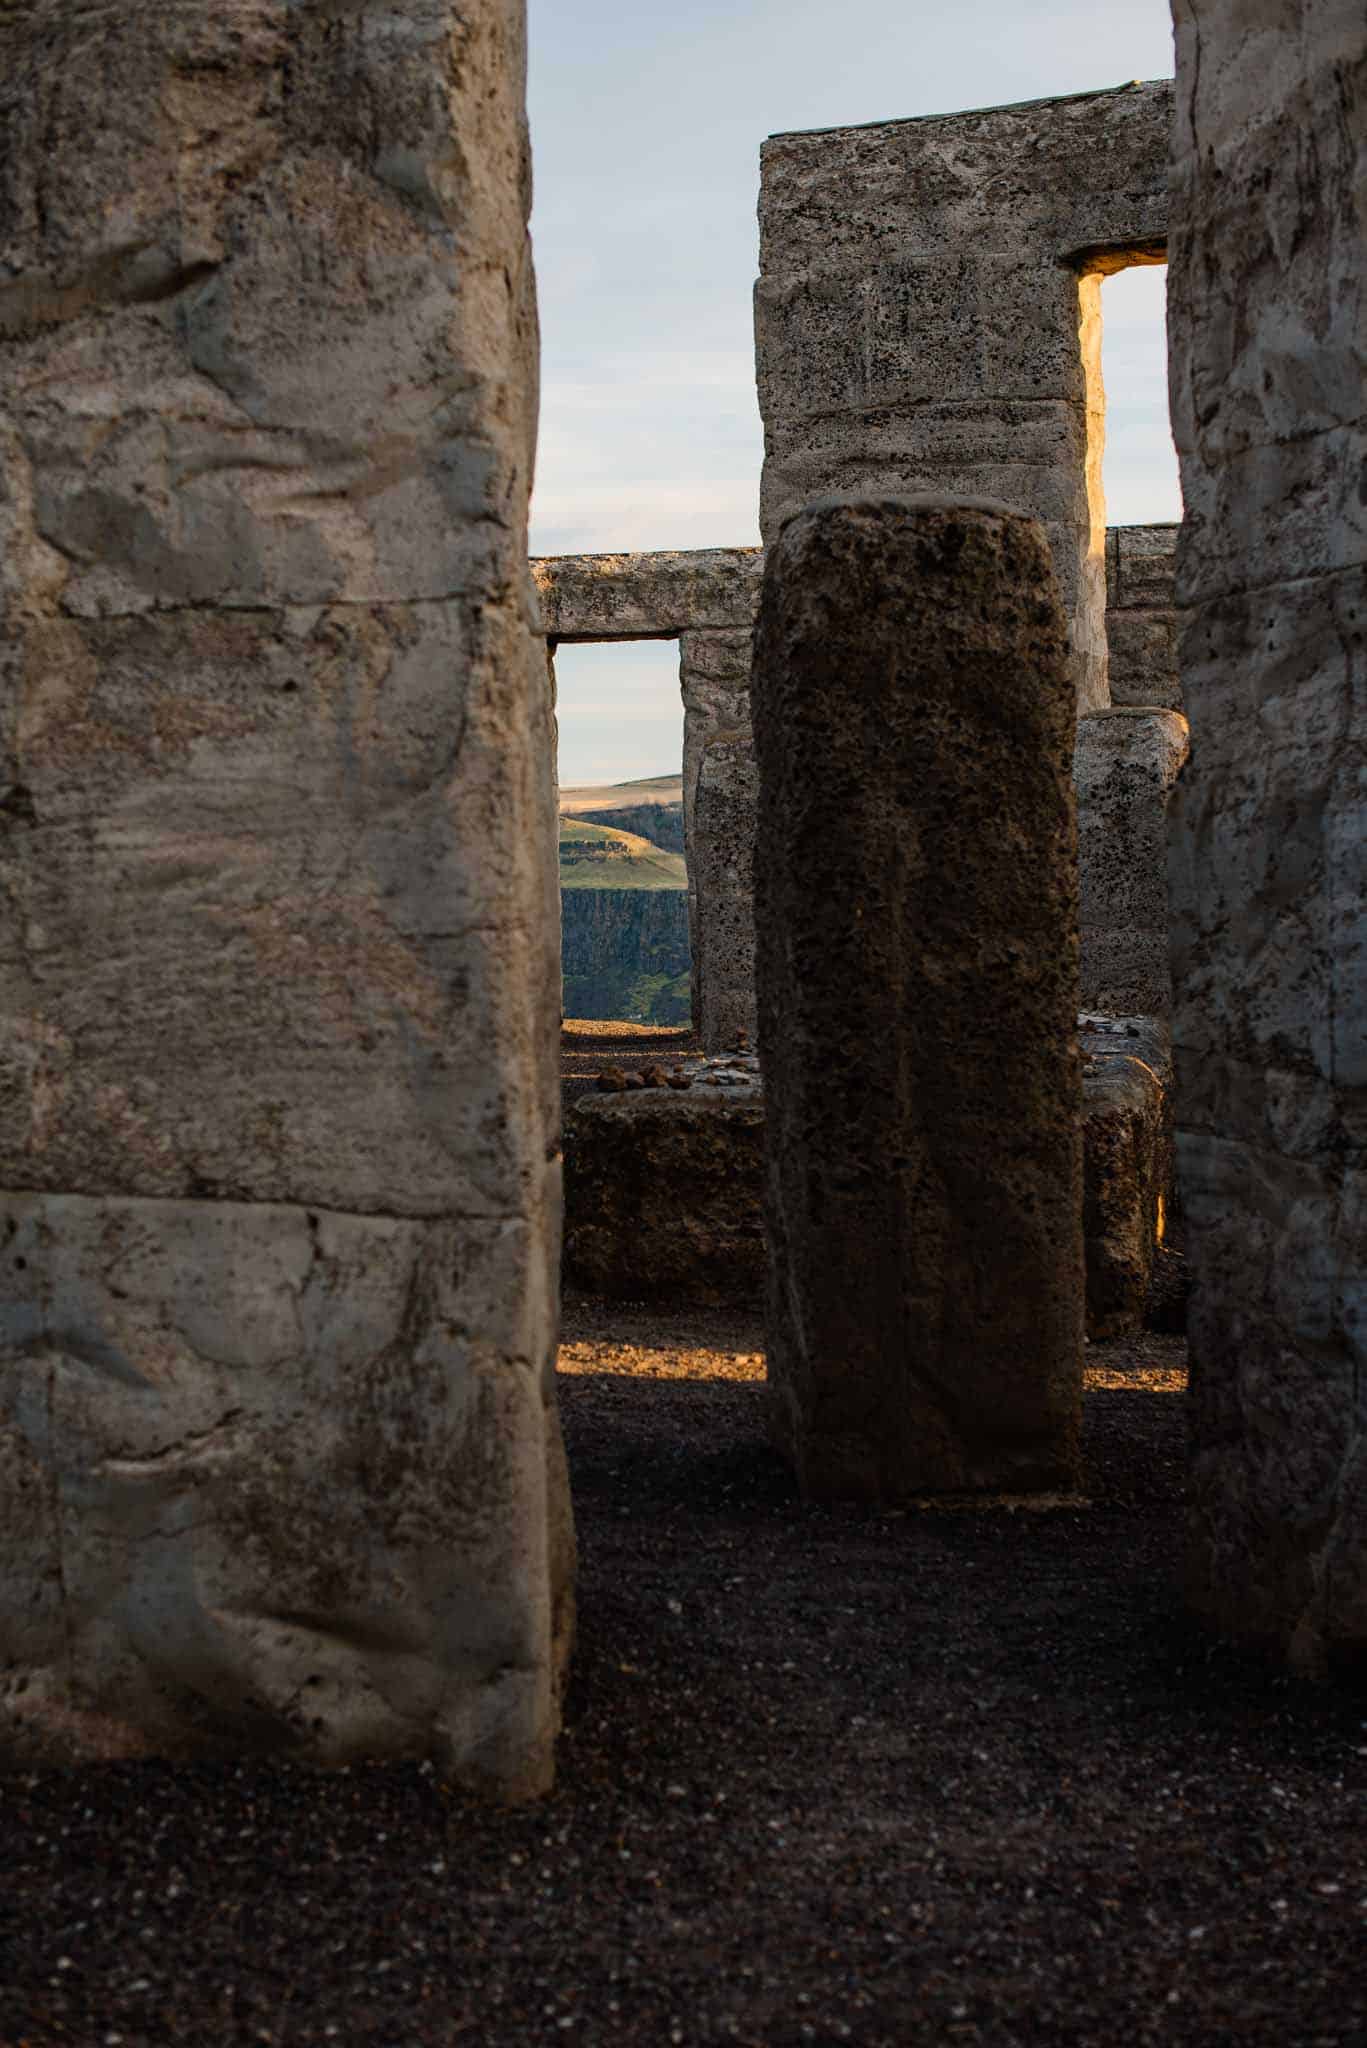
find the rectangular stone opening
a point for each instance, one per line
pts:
(1139, 465)
(625, 948)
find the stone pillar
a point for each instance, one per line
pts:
(725, 809)
(927, 316)
(1142, 623)
(1269, 826)
(1125, 766)
(279, 1462)
(916, 911)
(714, 676)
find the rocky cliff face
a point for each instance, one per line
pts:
(624, 953)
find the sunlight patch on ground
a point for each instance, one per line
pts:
(635, 1362)
(1164, 1374)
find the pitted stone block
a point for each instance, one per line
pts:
(1269, 825)
(279, 1458)
(1127, 1164)
(724, 849)
(646, 596)
(621, 1235)
(1142, 619)
(663, 1191)
(914, 723)
(1126, 764)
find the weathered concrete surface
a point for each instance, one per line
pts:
(727, 802)
(1142, 620)
(714, 674)
(663, 1191)
(1125, 766)
(652, 596)
(928, 314)
(699, 1237)
(1126, 1164)
(277, 894)
(914, 722)
(595, 597)
(1269, 834)
(705, 597)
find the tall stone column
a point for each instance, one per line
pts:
(916, 913)
(721, 870)
(1268, 327)
(714, 677)
(279, 1461)
(1125, 765)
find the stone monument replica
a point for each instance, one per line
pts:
(1269, 828)
(279, 1458)
(918, 1024)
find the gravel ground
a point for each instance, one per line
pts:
(955, 1774)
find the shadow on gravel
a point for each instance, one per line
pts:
(914, 1777)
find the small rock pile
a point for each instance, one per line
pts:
(737, 1068)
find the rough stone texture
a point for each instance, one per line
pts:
(1269, 836)
(928, 314)
(1125, 766)
(1126, 1164)
(663, 1191)
(727, 803)
(914, 723)
(1142, 620)
(599, 597)
(646, 596)
(620, 1244)
(705, 597)
(714, 674)
(279, 1462)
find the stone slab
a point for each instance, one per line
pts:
(1127, 1165)
(1268, 872)
(914, 723)
(218, 1534)
(1125, 766)
(696, 1238)
(279, 1185)
(259, 925)
(714, 676)
(723, 861)
(663, 1191)
(646, 596)
(1142, 619)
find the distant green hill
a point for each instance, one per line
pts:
(594, 856)
(624, 925)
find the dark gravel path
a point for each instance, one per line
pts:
(949, 1776)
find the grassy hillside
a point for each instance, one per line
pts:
(610, 796)
(601, 857)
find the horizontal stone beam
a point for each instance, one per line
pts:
(647, 596)
(664, 593)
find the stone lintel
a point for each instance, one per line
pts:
(1076, 179)
(646, 596)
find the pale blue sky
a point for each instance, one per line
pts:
(646, 127)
